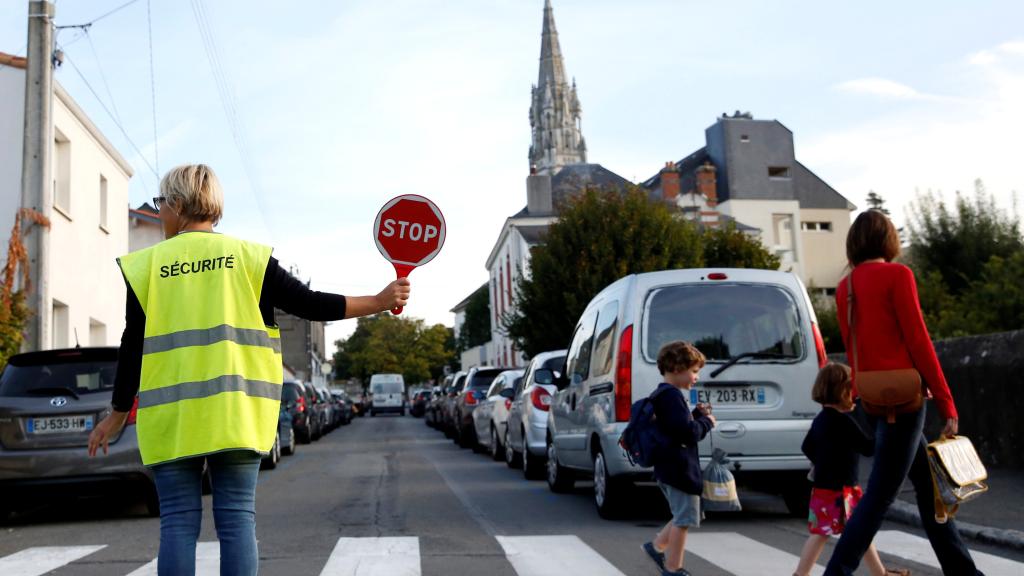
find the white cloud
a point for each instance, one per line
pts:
(943, 146)
(883, 88)
(991, 56)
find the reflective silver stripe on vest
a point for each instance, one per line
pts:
(206, 336)
(207, 388)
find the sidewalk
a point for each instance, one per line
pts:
(996, 517)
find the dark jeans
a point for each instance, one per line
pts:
(180, 487)
(899, 453)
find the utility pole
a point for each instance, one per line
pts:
(37, 166)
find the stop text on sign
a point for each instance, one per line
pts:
(416, 232)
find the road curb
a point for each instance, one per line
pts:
(907, 513)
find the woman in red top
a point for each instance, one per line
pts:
(891, 334)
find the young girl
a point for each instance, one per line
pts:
(834, 446)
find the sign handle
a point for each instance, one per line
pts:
(401, 271)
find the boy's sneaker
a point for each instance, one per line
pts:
(657, 557)
(680, 572)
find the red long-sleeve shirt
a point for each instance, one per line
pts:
(891, 333)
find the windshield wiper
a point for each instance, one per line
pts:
(745, 355)
(53, 390)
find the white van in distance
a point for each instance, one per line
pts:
(387, 394)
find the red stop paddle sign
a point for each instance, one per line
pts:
(409, 231)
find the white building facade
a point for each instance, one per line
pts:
(88, 222)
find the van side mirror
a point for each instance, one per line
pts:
(561, 382)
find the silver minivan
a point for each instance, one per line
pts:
(763, 348)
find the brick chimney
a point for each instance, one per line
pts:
(669, 182)
(707, 183)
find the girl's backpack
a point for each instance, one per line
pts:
(641, 439)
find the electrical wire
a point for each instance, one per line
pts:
(228, 102)
(103, 76)
(152, 85)
(105, 14)
(117, 123)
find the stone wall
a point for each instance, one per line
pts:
(986, 377)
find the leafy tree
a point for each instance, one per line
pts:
(828, 321)
(958, 241)
(394, 344)
(476, 330)
(994, 302)
(728, 247)
(875, 201)
(14, 311)
(600, 237)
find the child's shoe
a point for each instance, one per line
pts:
(680, 572)
(657, 557)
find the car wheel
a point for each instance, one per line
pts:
(291, 442)
(559, 478)
(608, 492)
(511, 456)
(533, 467)
(497, 451)
(271, 460)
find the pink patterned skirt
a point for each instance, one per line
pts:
(830, 509)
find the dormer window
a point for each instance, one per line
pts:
(778, 171)
(744, 138)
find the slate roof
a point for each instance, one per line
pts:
(574, 178)
(813, 192)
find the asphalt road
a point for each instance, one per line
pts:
(390, 496)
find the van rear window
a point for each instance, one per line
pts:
(387, 388)
(723, 320)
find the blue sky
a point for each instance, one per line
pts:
(344, 105)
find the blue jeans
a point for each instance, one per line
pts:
(899, 453)
(179, 485)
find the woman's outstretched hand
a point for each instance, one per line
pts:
(395, 295)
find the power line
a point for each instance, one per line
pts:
(103, 77)
(152, 85)
(104, 15)
(109, 113)
(228, 102)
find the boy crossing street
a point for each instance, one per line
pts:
(676, 466)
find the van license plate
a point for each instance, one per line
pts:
(59, 424)
(738, 396)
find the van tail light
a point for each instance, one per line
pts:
(133, 413)
(300, 404)
(541, 399)
(624, 376)
(819, 345)
(470, 398)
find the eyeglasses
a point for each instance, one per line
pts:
(158, 200)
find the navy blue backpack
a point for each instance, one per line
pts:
(641, 439)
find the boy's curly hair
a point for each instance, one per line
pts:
(833, 384)
(678, 356)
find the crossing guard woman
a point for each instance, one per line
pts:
(200, 362)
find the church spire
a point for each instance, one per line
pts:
(555, 109)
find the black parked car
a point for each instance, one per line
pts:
(297, 403)
(473, 392)
(419, 403)
(344, 406)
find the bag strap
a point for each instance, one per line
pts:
(850, 317)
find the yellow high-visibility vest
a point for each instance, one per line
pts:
(211, 370)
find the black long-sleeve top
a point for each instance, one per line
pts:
(834, 444)
(280, 290)
(679, 464)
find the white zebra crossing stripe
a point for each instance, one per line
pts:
(741, 555)
(554, 556)
(42, 559)
(918, 549)
(394, 556)
(207, 561)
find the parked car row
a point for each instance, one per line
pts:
(51, 400)
(561, 418)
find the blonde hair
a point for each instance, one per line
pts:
(194, 192)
